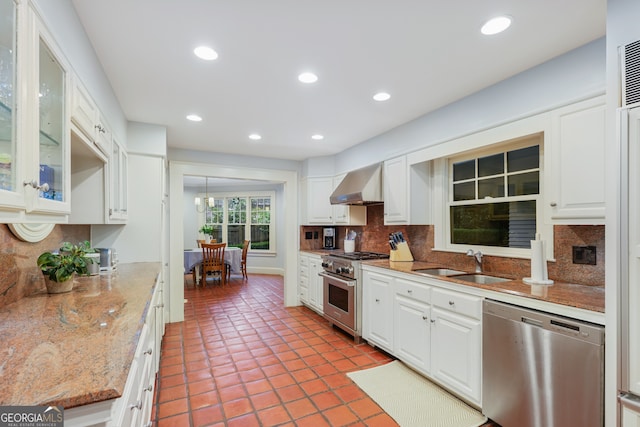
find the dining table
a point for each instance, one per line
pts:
(193, 260)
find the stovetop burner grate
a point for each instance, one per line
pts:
(360, 256)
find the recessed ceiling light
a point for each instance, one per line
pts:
(206, 53)
(496, 25)
(194, 118)
(381, 96)
(255, 137)
(317, 137)
(308, 78)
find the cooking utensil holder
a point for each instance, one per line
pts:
(401, 253)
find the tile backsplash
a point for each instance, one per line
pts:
(375, 236)
(19, 275)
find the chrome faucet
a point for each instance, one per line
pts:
(478, 256)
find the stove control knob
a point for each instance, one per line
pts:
(327, 264)
(348, 270)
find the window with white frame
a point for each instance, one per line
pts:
(494, 196)
(233, 218)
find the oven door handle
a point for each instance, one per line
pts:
(337, 279)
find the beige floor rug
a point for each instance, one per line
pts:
(412, 400)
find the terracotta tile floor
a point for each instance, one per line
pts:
(241, 358)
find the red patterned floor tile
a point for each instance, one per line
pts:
(274, 416)
(340, 416)
(173, 407)
(203, 399)
(206, 416)
(248, 420)
(289, 393)
(326, 400)
(265, 400)
(300, 408)
(236, 408)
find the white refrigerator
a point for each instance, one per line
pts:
(629, 298)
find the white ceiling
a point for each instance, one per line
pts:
(425, 53)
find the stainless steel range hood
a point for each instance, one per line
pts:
(360, 187)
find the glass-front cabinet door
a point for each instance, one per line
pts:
(47, 184)
(34, 119)
(8, 102)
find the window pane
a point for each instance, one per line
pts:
(510, 224)
(260, 237)
(524, 183)
(215, 212)
(260, 211)
(464, 170)
(217, 233)
(237, 210)
(523, 159)
(464, 191)
(491, 165)
(491, 187)
(235, 235)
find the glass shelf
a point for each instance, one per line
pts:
(5, 131)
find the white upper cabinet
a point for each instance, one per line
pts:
(396, 191)
(320, 211)
(88, 119)
(118, 177)
(574, 162)
(34, 121)
(407, 192)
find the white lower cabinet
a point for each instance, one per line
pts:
(630, 418)
(456, 342)
(377, 296)
(438, 332)
(310, 286)
(412, 324)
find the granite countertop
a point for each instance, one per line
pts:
(567, 294)
(75, 348)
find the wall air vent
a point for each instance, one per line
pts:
(631, 73)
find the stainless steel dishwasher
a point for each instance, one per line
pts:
(539, 369)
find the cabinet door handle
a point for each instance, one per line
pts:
(138, 405)
(149, 388)
(553, 204)
(425, 317)
(377, 300)
(409, 291)
(433, 320)
(452, 303)
(149, 351)
(33, 183)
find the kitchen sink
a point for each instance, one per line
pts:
(438, 271)
(481, 279)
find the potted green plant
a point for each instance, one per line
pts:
(59, 267)
(207, 230)
(92, 257)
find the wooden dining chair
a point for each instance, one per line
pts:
(243, 262)
(201, 241)
(213, 261)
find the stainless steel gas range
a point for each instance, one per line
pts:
(342, 286)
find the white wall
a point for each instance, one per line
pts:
(577, 75)
(147, 139)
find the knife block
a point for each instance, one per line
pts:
(402, 253)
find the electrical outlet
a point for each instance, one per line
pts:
(584, 255)
(308, 235)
